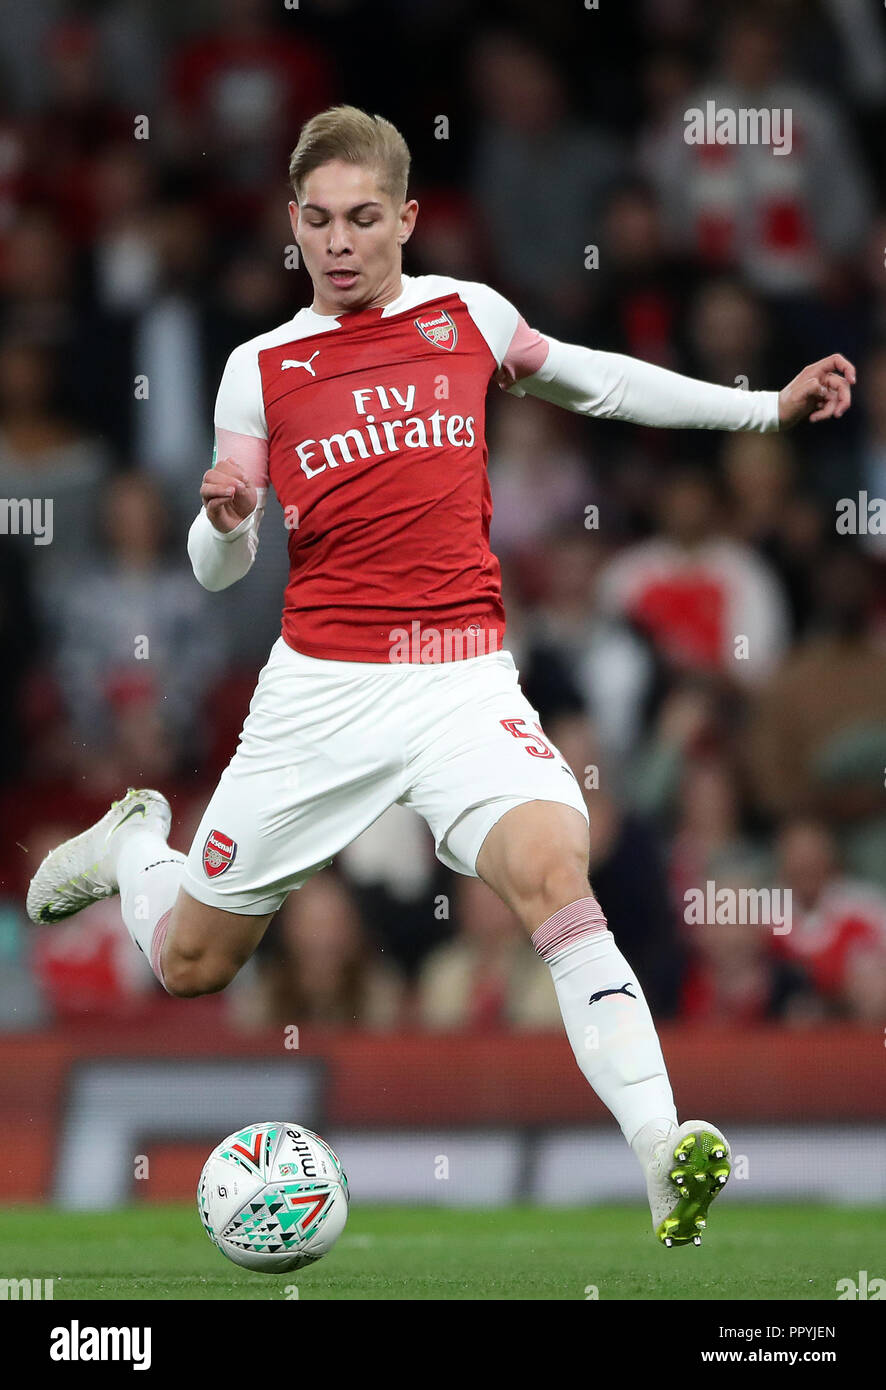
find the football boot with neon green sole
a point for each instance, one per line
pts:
(687, 1171)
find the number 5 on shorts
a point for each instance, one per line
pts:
(515, 727)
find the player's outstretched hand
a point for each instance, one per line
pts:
(227, 494)
(819, 392)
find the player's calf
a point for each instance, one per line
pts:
(204, 947)
(189, 977)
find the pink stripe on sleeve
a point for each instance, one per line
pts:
(526, 353)
(246, 449)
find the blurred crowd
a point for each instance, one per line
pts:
(703, 642)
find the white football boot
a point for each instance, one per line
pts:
(80, 871)
(685, 1173)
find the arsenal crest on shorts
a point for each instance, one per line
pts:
(438, 328)
(218, 852)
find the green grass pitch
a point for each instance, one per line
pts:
(749, 1252)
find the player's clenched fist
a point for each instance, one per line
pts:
(227, 494)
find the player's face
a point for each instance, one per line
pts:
(350, 233)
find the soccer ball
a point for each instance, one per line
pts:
(273, 1197)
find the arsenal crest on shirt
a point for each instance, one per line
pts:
(438, 328)
(218, 853)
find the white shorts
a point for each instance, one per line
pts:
(328, 746)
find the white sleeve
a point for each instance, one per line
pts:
(220, 558)
(616, 387)
(494, 316)
(240, 403)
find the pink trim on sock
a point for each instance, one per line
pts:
(578, 919)
(157, 941)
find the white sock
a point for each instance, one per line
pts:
(612, 1035)
(149, 874)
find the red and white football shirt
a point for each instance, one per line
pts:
(370, 427)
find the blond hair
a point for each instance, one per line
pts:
(345, 132)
